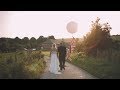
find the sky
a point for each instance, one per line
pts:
(36, 23)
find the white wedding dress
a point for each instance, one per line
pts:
(54, 63)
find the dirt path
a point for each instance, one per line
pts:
(70, 72)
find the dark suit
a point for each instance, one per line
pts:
(62, 55)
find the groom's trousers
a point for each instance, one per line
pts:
(62, 62)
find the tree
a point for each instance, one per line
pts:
(99, 37)
(17, 40)
(3, 45)
(26, 42)
(33, 42)
(40, 40)
(26, 39)
(79, 47)
(51, 37)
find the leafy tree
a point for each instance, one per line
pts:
(17, 40)
(33, 42)
(98, 39)
(40, 40)
(26, 42)
(4, 46)
(51, 37)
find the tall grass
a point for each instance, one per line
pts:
(46, 53)
(109, 55)
(105, 66)
(21, 65)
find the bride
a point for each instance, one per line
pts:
(54, 64)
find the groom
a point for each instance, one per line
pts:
(62, 55)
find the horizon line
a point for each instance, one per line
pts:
(50, 35)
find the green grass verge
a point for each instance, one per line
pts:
(100, 68)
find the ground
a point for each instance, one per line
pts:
(70, 72)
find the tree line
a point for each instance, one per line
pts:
(15, 44)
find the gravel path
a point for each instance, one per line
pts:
(70, 72)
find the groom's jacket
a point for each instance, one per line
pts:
(62, 51)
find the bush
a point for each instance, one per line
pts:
(19, 66)
(97, 39)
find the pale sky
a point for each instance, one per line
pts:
(37, 23)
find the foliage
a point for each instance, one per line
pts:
(103, 66)
(20, 65)
(79, 46)
(17, 44)
(33, 42)
(46, 53)
(99, 52)
(98, 39)
(51, 37)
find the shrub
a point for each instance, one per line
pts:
(18, 66)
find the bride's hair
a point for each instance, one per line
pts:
(54, 45)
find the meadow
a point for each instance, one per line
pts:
(105, 66)
(21, 65)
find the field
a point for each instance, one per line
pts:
(101, 67)
(46, 53)
(21, 65)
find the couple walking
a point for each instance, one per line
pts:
(57, 57)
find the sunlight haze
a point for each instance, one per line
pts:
(36, 23)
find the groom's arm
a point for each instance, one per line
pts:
(65, 51)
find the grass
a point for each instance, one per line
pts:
(36, 68)
(99, 67)
(21, 65)
(46, 53)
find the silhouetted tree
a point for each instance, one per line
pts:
(51, 37)
(17, 40)
(99, 38)
(26, 42)
(33, 42)
(40, 40)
